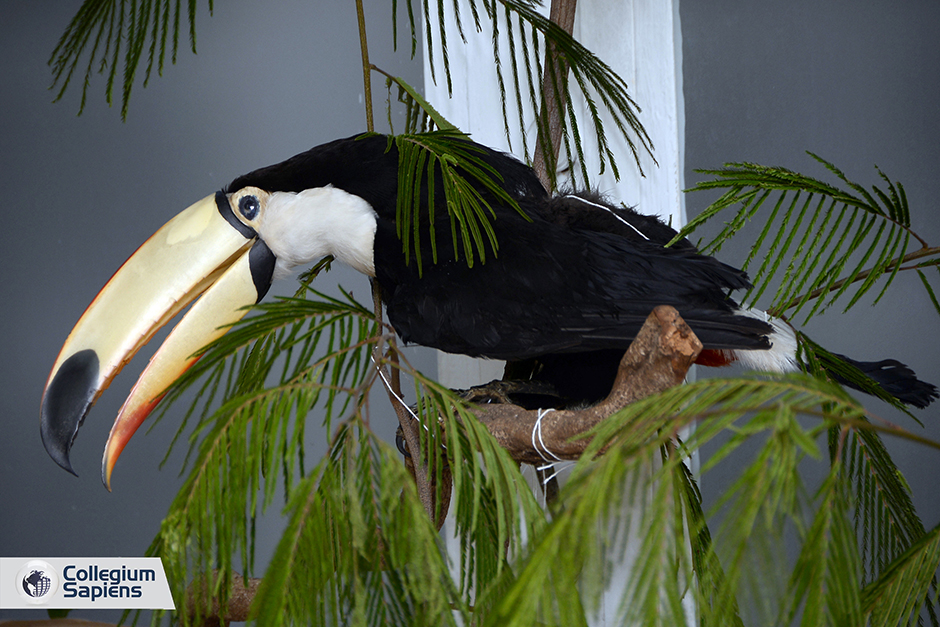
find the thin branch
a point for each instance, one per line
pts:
(861, 276)
(553, 95)
(366, 66)
(408, 426)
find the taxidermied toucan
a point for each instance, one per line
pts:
(570, 285)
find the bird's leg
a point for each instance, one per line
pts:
(529, 394)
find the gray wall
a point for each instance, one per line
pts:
(270, 79)
(854, 82)
(857, 83)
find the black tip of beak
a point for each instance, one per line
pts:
(67, 399)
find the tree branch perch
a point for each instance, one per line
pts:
(658, 359)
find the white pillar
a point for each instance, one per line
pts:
(641, 41)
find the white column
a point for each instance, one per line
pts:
(641, 41)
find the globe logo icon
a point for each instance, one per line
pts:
(37, 584)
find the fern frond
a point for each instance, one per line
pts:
(252, 444)
(767, 493)
(269, 373)
(825, 579)
(603, 90)
(111, 23)
(902, 592)
(885, 518)
(493, 508)
(710, 575)
(930, 291)
(846, 239)
(420, 115)
(445, 158)
(359, 547)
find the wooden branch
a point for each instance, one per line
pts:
(440, 494)
(409, 427)
(658, 359)
(239, 601)
(366, 66)
(562, 13)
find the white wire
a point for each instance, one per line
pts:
(560, 468)
(537, 429)
(611, 211)
(388, 386)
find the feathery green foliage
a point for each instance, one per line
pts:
(906, 585)
(381, 562)
(142, 25)
(825, 238)
(107, 25)
(420, 115)
(252, 443)
(529, 34)
(447, 157)
(342, 559)
(642, 464)
(359, 547)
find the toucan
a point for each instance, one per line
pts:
(567, 284)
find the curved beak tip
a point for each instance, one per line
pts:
(195, 253)
(66, 401)
(106, 478)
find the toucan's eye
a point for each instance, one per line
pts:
(249, 207)
(248, 204)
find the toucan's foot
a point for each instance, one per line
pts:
(526, 394)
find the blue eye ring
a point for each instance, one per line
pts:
(249, 206)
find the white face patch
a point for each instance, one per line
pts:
(303, 227)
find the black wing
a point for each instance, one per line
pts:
(562, 289)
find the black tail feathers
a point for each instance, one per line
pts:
(892, 376)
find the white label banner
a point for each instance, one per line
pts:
(84, 582)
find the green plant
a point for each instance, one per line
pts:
(360, 545)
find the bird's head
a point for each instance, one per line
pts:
(228, 248)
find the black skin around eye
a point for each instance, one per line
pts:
(249, 207)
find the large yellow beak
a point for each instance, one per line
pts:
(203, 249)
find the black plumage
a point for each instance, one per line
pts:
(560, 297)
(571, 278)
(565, 293)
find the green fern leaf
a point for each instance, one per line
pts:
(446, 157)
(930, 292)
(114, 23)
(849, 261)
(385, 561)
(594, 79)
(637, 466)
(902, 591)
(827, 572)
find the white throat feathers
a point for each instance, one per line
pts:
(303, 227)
